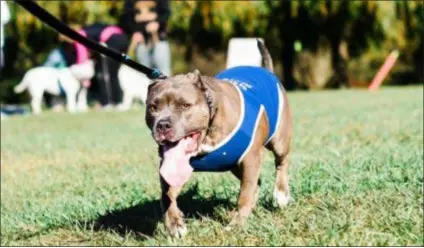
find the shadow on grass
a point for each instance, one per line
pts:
(143, 218)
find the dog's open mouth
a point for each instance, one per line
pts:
(175, 168)
(190, 142)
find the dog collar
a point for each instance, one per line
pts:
(212, 111)
(212, 108)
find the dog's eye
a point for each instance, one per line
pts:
(152, 108)
(185, 106)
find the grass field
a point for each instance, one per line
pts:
(92, 179)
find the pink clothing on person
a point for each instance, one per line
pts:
(108, 32)
(82, 56)
(82, 51)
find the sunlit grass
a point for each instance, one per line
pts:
(92, 179)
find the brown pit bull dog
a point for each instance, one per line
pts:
(220, 123)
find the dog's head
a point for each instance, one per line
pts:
(83, 71)
(179, 108)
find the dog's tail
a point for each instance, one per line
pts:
(266, 57)
(21, 86)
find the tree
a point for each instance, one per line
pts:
(336, 33)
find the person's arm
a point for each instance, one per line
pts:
(126, 21)
(82, 55)
(5, 13)
(81, 51)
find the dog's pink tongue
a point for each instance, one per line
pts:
(176, 169)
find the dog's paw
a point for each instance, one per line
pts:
(82, 109)
(72, 110)
(175, 225)
(281, 199)
(122, 108)
(57, 108)
(108, 108)
(229, 227)
(238, 220)
(178, 231)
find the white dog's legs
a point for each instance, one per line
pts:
(36, 104)
(71, 102)
(126, 102)
(82, 100)
(36, 99)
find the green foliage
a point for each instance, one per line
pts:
(378, 26)
(191, 19)
(225, 15)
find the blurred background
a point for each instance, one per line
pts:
(314, 44)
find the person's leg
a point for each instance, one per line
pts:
(118, 42)
(162, 57)
(143, 55)
(101, 78)
(116, 91)
(93, 94)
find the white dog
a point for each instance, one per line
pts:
(54, 81)
(134, 85)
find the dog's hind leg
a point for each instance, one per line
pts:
(281, 194)
(280, 146)
(36, 100)
(36, 104)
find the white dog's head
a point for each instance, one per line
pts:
(83, 71)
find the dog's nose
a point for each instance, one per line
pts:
(163, 126)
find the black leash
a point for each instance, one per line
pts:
(53, 22)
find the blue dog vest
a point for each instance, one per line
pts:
(259, 90)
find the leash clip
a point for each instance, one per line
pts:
(156, 74)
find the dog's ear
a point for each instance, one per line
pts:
(205, 84)
(151, 84)
(196, 77)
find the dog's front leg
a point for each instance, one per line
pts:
(173, 217)
(71, 102)
(82, 100)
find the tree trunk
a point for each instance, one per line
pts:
(287, 53)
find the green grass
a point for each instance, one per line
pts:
(92, 179)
